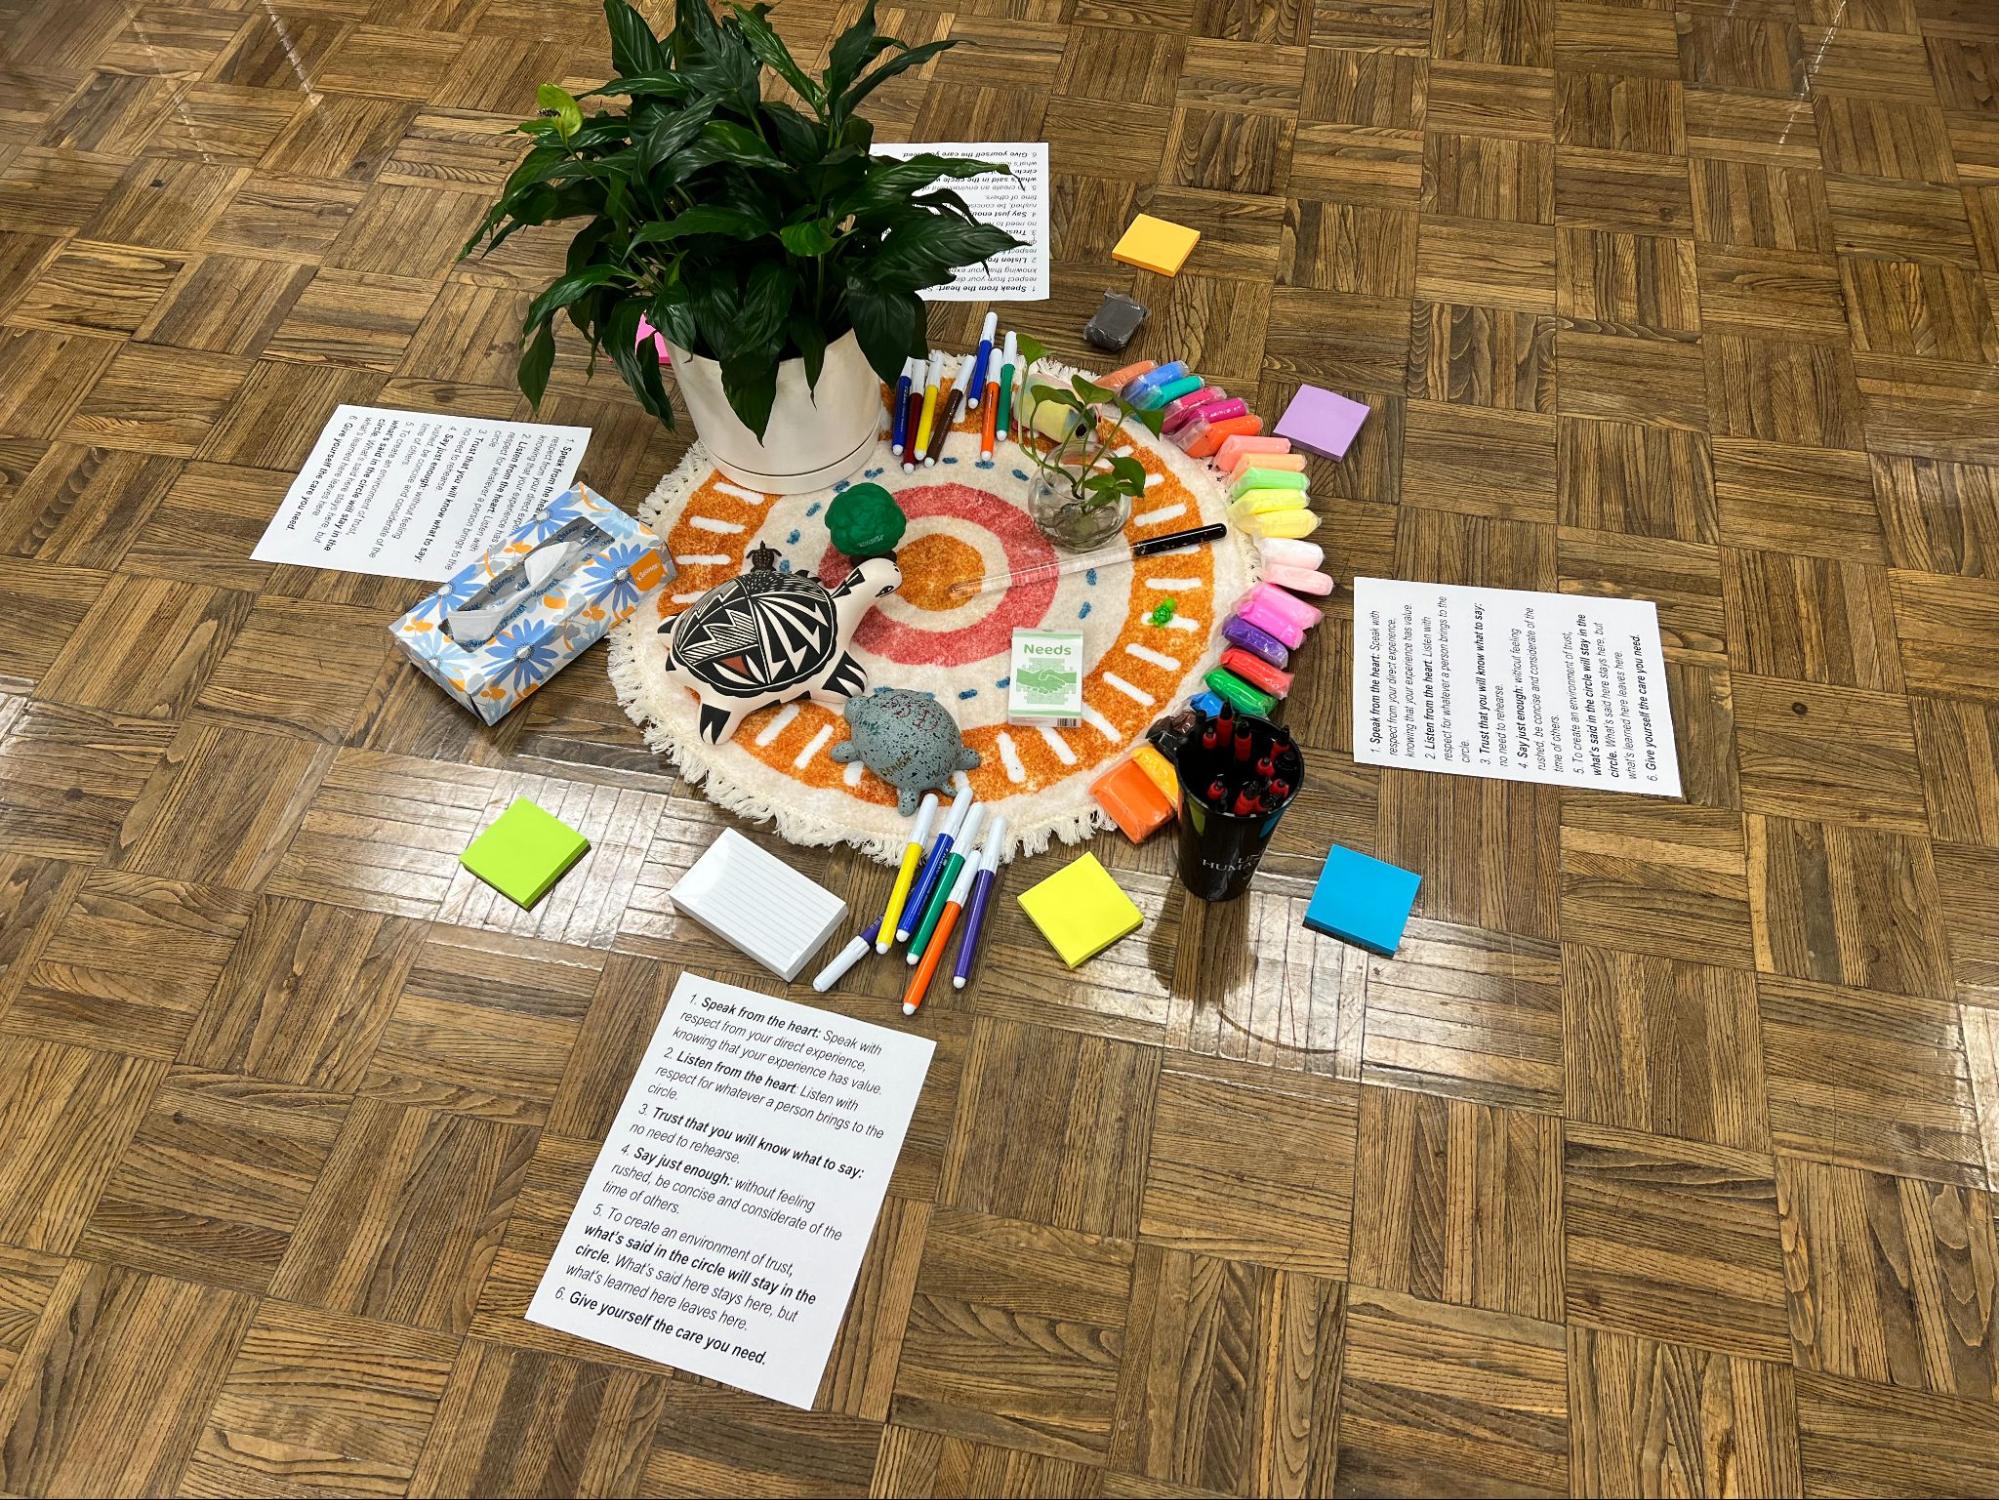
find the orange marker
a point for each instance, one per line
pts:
(992, 417)
(933, 952)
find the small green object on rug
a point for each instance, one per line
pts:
(864, 521)
(524, 853)
(1164, 610)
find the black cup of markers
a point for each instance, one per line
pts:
(1233, 793)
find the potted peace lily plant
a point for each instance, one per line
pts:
(778, 257)
(1082, 491)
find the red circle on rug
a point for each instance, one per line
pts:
(1025, 604)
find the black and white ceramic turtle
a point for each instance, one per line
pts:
(768, 637)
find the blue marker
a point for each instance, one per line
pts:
(898, 419)
(985, 356)
(933, 867)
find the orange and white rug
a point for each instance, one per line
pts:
(966, 517)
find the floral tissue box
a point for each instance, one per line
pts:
(504, 624)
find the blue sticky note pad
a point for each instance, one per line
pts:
(1362, 901)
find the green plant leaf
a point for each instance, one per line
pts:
(672, 133)
(673, 317)
(749, 380)
(766, 304)
(730, 142)
(537, 359)
(634, 49)
(726, 69)
(902, 62)
(799, 141)
(1130, 473)
(643, 86)
(1089, 390)
(887, 323)
(638, 363)
(809, 339)
(556, 102)
(1153, 420)
(1031, 348)
(854, 48)
(694, 28)
(701, 219)
(807, 240)
(568, 289)
(769, 46)
(925, 251)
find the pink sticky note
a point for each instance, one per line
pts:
(1321, 420)
(658, 341)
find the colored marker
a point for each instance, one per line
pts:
(985, 354)
(847, 957)
(982, 892)
(920, 944)
(926, 819)
(988, 432)
(932, 374)
(898, 421)
(949, 398)
(933, 866)
(1009, 357)
(912, 413)
(919, 982)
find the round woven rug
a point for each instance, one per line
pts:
(966, 516)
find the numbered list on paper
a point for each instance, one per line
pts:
(725, 1219)
(1505, 683)
(1017, 203)
(406, 494)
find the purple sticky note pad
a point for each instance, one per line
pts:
(1321, 420)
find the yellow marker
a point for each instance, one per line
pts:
(931, 377)
(906, 876)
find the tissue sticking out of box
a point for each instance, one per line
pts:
(476, 621)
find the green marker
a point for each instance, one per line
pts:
(941, 897)
(1004, 419)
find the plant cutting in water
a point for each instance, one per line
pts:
(1084, 482)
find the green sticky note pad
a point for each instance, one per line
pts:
(524, 853)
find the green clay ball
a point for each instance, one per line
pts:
(1164, 610)
(864, 521)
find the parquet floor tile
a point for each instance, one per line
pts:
(1659, 1158)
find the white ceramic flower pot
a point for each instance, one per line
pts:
(816, 436)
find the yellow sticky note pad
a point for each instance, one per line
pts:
(1156, 245)
(1080, 910)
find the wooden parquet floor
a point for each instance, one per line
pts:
(1661, 1160)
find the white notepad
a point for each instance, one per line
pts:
(758, 903)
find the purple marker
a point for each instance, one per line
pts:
(981, 899)
(1238, 631)
(933, 867)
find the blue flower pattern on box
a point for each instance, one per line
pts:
(522, 655)
(608, 574)
(551, 626)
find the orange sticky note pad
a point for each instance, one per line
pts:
(1156, 245)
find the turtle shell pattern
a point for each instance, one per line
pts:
(758, 633)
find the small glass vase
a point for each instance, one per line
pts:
(1073, 524)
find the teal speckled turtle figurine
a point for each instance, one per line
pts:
(908, 739)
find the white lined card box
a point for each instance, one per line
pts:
(754, 901)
